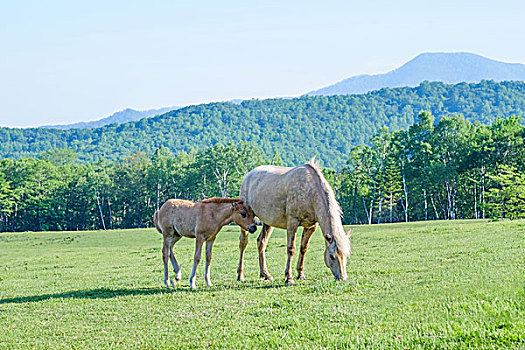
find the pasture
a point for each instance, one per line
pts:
(419, 285)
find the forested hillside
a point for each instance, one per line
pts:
(450, 170)
(298, 128)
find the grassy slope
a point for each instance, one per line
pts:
(436, 284)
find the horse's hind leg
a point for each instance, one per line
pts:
(307, 234)
(176, 266)
(243, 242)
(262, 241)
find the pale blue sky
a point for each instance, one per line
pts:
(66, 61)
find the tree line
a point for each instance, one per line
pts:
(56, 192)
(452, 169)
(325, 125)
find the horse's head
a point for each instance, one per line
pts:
(334, 258)
(241, 216)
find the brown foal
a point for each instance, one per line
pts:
(202, 221)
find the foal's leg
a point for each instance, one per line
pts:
(291, 229)
(196, 259)
(307, 234)
(262, 241)
(209, 245)
(176, 266)
(243, 242)
(165, 256)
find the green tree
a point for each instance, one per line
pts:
(506, 199)
(391, 185)
(221, 168)
(7, 200)
(159, 175)
(134, 205)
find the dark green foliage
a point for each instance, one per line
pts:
(507, 198)
(452, 170)
(38, 194)
(299, 128)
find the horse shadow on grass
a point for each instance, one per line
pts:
(108, 293)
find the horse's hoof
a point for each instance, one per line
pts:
(289, 282)
(166, 284)
(178, 276)
(172, 284)
(240, 278)
(266, 277)
(301, 277)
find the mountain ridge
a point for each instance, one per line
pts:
(123, 116)
(446, 67)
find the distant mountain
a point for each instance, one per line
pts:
(124, 116)
(297, 128)
(450, 68)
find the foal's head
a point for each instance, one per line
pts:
(241, 216)
(334, 259)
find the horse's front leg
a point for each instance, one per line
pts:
(307, 234)
(243, 242)
(209, 245)
(165, 257)
(291, 229)
(262, 241)
(196, 259)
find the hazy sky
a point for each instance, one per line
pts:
(69, 61)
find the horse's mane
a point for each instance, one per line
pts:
(222, 200)
(334, 209)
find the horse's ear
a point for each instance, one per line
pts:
(349, 232)
(329, 238)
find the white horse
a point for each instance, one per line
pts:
(288, 198)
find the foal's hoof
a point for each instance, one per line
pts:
(289, 282)
(301, 276)
(240, 278)
(172, 284)
(166, 284)
(178, 276)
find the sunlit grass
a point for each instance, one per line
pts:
(419, 285)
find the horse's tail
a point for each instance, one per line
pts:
(156, 221)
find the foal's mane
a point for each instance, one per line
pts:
(334, 209)
(222, 200)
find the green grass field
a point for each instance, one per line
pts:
(419, 285)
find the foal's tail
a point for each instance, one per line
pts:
(156, 221)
